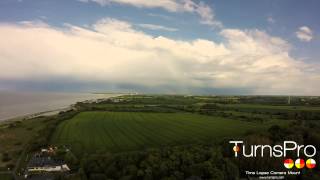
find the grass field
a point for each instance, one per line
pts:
(124, 131)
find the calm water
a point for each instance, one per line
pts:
(15, 104)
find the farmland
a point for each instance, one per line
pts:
(163, 136)
(124, 131)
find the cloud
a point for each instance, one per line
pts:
(203, 10)
(112, 54)
(170, 5)
(157, 27)
(304, 34)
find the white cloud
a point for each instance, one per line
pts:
(304, 34)
(116, 53)
(170, 5)
(203, 10)
(157, 27)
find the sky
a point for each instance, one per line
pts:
(265, 47)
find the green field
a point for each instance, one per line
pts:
(125, 131)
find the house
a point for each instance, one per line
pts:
(45, 164)
(42, 163)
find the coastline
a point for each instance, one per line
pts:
(53, 111)
(34, 115)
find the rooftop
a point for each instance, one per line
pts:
(43, 161)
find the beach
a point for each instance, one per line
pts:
(21, 105)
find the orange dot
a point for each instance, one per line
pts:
(236, 148)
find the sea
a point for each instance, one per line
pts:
(19, 104)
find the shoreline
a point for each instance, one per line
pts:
(34, 115)
(53, 111)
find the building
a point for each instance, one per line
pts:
(42, 163)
